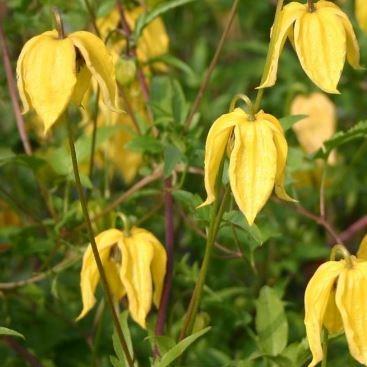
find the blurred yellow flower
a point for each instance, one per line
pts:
(52, 72)
(318, 126)
(323, 38)
(153, 42)
(135, 266)
(361, 14)
(335, 298)
(256, 161)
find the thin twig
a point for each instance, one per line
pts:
(357, 226)
(22, 352)
(211, 68)
(93, 18)
(64, 264)
(94, 133)
(13, 93)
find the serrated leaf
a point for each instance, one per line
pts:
(157, 11)
(271, 323)
(288, 121)
(342, 137)
(179, 348)
(10, 332)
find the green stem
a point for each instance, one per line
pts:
(93, 243)
(260, 91)
(93, 17)
(343, 252)
(325, 337)
(218, 212)
(94, 134)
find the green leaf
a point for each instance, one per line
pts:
(145, 143)
(116, 342)
(172, 156)
(157, 11)
(31, 161)
(271, 322)
(179, 348)
(342, 137)
(6, 331)
(288, 121)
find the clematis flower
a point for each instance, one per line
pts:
(52, 72)
(135, 267)
(361, 14)
(153, 42)
(335, 298)
(256, 161)
(318, 126)
(326, 28)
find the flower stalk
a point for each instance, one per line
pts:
(218, 211)
(106, 287)
(340, 250)
(58, 23)
(311, 6)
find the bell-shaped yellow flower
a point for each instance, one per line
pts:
(52, 72)
(318, 126)
(153, 42)
(361, 14)
(323, 39)
(335, 298)
(256, 162)
(135, 266)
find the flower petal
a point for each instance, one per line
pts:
(137, 256)
(89, 275)
(316, 300)
(216, 144)
(289, 14)
(282, 152)
(252, 166)
(321, 30)
(99, 62)
(332, 318)
(48, 73)
(82, 85)
(351, 299)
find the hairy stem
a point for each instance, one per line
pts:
(93, 243)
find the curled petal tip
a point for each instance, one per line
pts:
(208, 201)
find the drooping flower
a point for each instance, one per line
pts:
(361, 14)
(318, 126)
(153, 42)
(256, 162)
(52, 72)
(335, 298)
(323, 38)
(135, 266)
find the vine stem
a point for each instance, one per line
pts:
(218, 211)
(260, 91)
(213, 64)
(169, 226)
(94, 133)
(106, 287)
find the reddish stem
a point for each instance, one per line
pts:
(169, 226)
(13, 92)
(22, 352)
(354, 228)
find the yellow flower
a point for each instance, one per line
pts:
(335, 298)
(318, 126)
(323, 39)
(135, 266)
(52, 72)
(256, 162)
(361, 14)
(153, 42)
